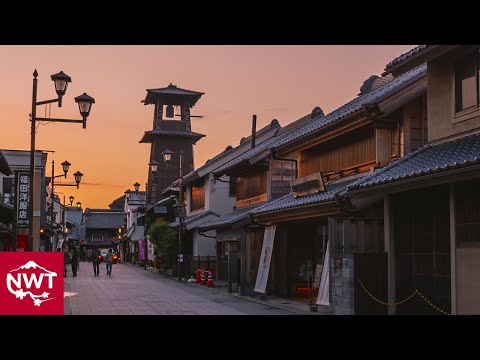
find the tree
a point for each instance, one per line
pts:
(164, 238)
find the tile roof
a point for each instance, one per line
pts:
(266, 145)
(167, 200)
(261, 135)
(370, 98)
(104, 219)
(4, 167)
(171, 90)
(430, 159)
(406, 56)
(149, 135)
(230, 218)
(191, 219)
(290, 202)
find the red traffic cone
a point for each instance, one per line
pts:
(199, 276)
(210, 279)
(203, 282)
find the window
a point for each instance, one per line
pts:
(232, 186)
(153, 193)
(466, 83)
(8, 190)
(198, 196)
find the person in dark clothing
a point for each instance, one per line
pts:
(66, 260)
(74, 260)
(95, 262)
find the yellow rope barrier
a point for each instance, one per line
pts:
(416, 292)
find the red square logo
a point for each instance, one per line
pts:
(31, 283)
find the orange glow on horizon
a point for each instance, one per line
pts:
(281, 82)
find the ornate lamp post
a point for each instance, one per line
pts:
(84, 101)
(78, 177)
(167, 156)
(71, 198)
(153, 166)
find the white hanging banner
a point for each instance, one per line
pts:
(323, 297)
(151, 249)
(264, 265)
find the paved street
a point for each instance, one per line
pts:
(133, 291)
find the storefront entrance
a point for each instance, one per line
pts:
(422, 249)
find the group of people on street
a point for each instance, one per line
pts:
(71, 256)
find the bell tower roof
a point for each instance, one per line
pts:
(172, 95)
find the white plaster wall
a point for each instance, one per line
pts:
(202, 245)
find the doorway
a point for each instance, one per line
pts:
(422, 249)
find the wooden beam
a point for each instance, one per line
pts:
(300, 213)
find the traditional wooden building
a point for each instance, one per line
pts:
(208, 197)
(384, 122)
(102, 226)
(431, 206)
(260, 178)
(19, 162)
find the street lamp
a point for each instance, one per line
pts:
(167, 156)
(65, 167)
(84, 101)
(71, 198)
(153, 166)
(79, 205)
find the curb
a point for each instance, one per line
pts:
(213, 290)
(248, 298)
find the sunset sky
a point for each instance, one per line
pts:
(282, 82)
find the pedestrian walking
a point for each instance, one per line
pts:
(109, 261)
(74, 260)
(95, 262)
(66, 261)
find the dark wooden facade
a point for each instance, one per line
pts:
(350, 150)
(411, 131)
(281, 173)
(422, 249)
(198, 195)
(252, 188)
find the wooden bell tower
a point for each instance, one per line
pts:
(174, 132)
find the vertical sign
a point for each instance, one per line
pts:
(141, 250)
(23, 188)
(264, 265)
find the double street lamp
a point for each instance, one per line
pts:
(84, 102)
(167, 157)
(78, 177)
